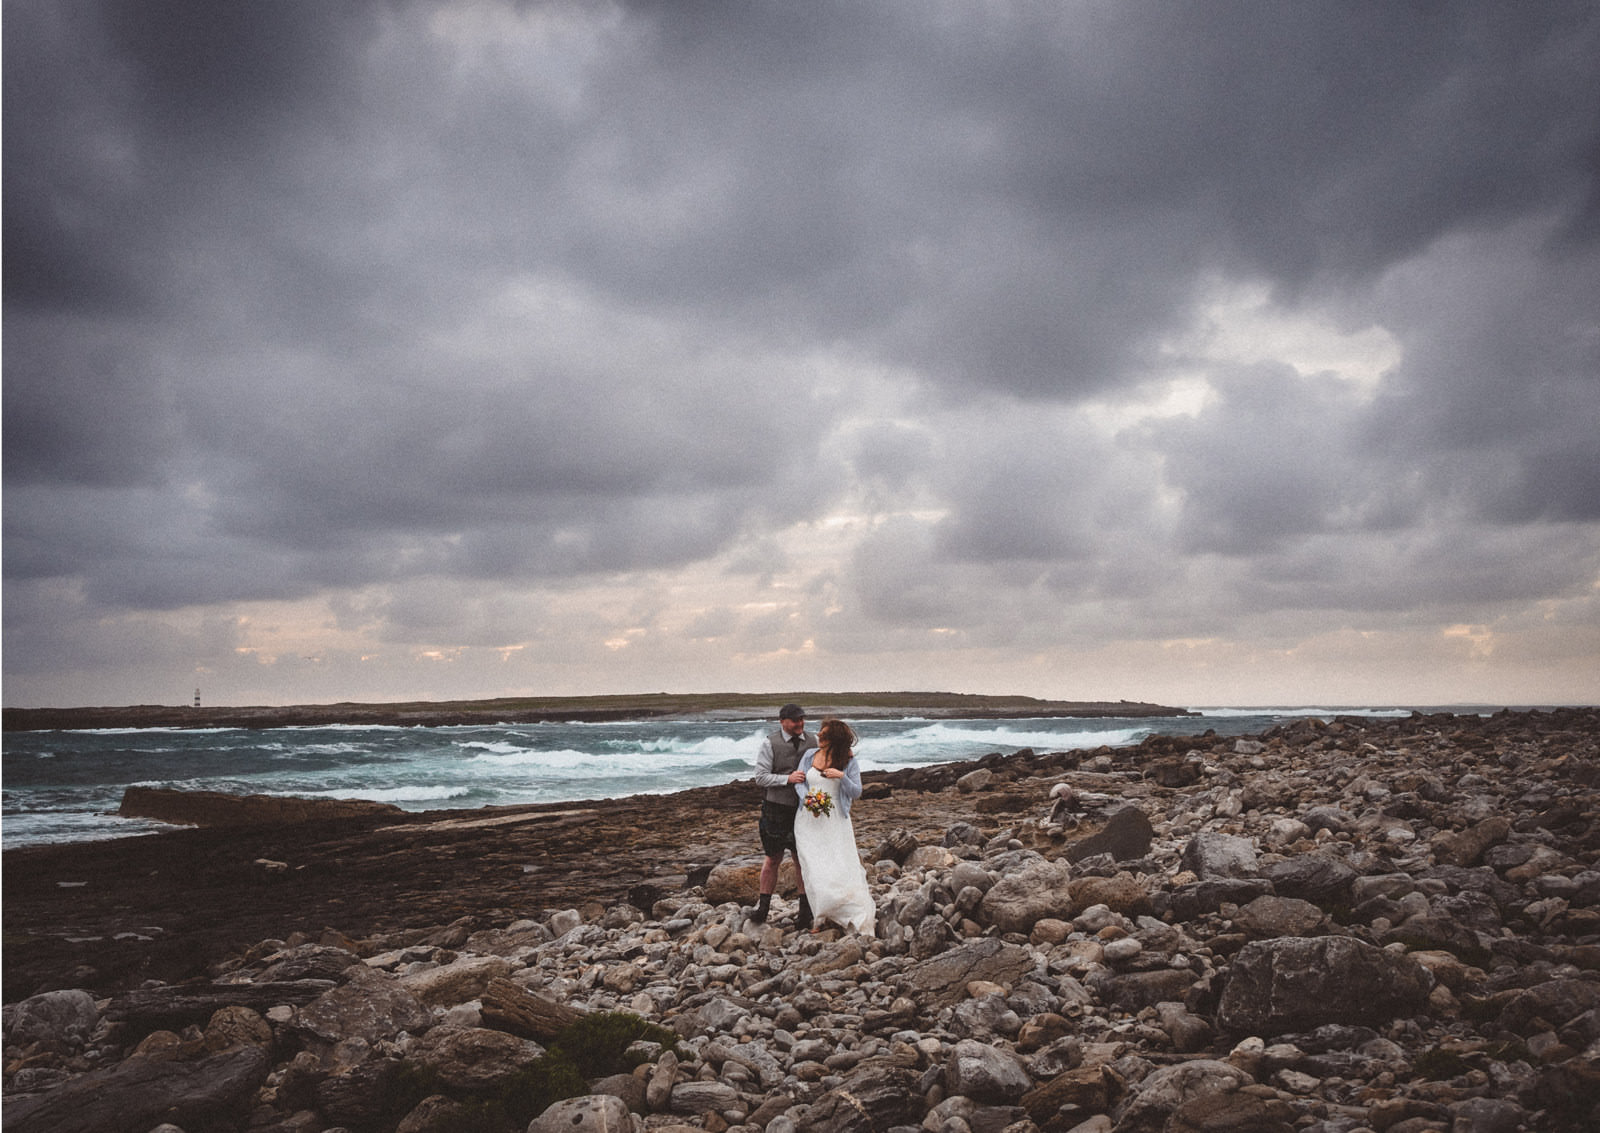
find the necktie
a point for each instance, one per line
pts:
(797, 741)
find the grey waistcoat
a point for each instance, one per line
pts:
(784, 760)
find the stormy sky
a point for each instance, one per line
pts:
(1219, 352)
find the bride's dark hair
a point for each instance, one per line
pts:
(837, 738)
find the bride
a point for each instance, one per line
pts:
(825, 840)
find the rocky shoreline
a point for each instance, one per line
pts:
(1356, 924)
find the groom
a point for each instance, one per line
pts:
(777, 772)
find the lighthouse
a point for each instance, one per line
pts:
(197, 698)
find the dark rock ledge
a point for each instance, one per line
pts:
(1336, 927)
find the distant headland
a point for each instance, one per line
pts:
(546, 709)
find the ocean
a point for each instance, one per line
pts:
(66, 786)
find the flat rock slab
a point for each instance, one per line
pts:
(143, 1092)
(1300, 983)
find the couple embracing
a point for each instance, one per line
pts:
(808, 783)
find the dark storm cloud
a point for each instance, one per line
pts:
(303, 296)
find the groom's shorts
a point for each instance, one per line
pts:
(777, 828)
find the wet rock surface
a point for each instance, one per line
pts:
(1341, 925)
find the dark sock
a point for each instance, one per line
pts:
(762, 907)
(802, 920)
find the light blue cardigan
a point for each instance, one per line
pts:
(849, 786)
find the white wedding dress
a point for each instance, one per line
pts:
(836, 885)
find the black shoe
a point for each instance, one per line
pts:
(802, 920)
(759, 913)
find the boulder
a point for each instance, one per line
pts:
(1088, 1088)
(975, 781)
(1211, 856)
(594, 1113)
(458, 982)
(1134, 991)
(942, 979)
(896, 846)
(1555, 1002)
(1121, 894)
(870, 1100)
(1232, 1112)
(1280, 916)
(1150, 1103)
(702, 1097)
(1466, 847)
(739, 879)
(1298, 983)
(139, 1093)
(371, 1007)
(1126, 836)
(1187, 902)
(237, 1026)
(508, 1006)
(433, 1114)
(66, 1016)
(308, 962)
(1318, 878)
(985, 1074)
(472, 1058)
(1039, 890)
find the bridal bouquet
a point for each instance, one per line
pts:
(819, 803)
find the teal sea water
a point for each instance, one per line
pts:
(66, 786)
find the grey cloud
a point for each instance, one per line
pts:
(302, 297)
(1270, 461)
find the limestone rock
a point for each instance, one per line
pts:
(1154, 1099)
(1280, 916)
(739, 879)
(370, 1007)
(1126, 836)
(1121, 894)
(65, 1016)
(1232, 1112)
(473, 1058)
(455, 983)
(1090, 1088)
(975, 781)
(1465, 848)
(237, 1026)
(1017, 901)
(703, 1097)
(869, 1101)
(433, 1114)
(595, 1113)
(510, 1007)
(1297, 983)
(663, 1076)
(941, 981)
(308, 962)
(1211, 856)
(1318, 878)
(140, 1092)
(985, 1073)
(896, 846)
